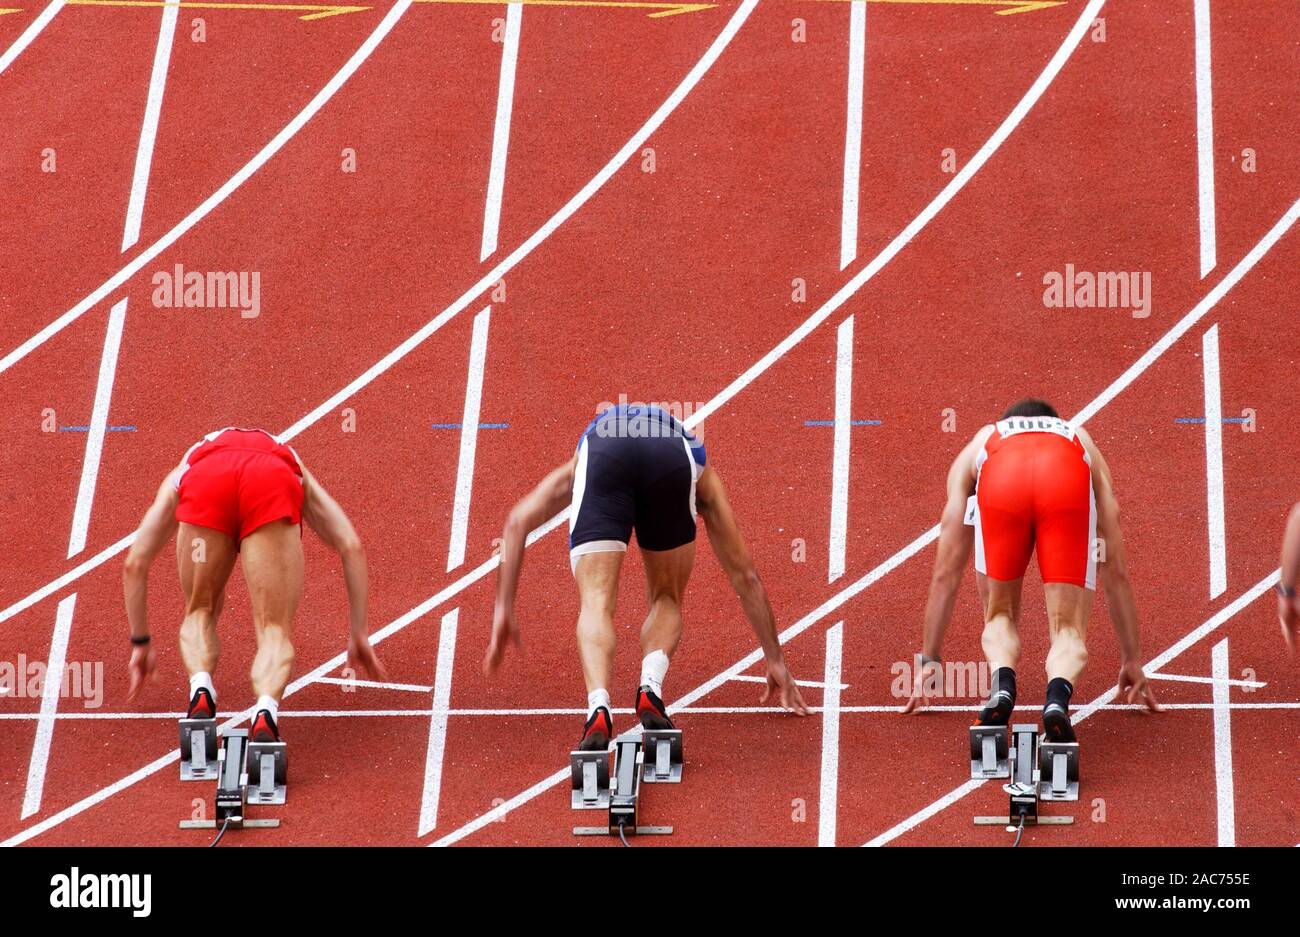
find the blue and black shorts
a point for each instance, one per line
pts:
(637, 469)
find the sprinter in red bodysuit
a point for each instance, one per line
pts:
(241, 493)
(1032, 483)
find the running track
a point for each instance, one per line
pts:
(662, 286)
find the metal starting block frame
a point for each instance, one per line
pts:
(199, 750)
(988, 753)
(1026, 787)
(662, 757)
(232, 786)
(624, 793)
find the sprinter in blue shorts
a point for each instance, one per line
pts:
(637, 468)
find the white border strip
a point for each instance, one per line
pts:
(50, 690)
(840, 453)
(149, 127)
(828, 804)
(435, 754)
(853, 134)
(33, 30)
(1205, 138)
(1225, 797)
(1215, 526)
(98, 425)
(501, 131)
(468, 440)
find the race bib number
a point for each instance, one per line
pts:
(1035, 424)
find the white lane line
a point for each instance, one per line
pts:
(853, 134)
(687, 85)
(1213, 622)
(50, 689)
(840, 457)
(745, 678)
(468, 440)
(98, 423)
(216, 198)
(1205, 137)
(71, 576)
(501, 131)
(1214, 463)
(1223, 787)
(560, 711)
(904, 237)
(375, 685)
(828, 804)
(31, 32)
(149, 127)
(434, 755)
(1211, 299)
(1248, 684)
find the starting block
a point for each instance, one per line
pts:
(198, 749)
(1058, 771)
(624, 794)
(232, 787)
(988, 752)
(268, 769)
(662, 761)
(1030, 764)
(589, 777)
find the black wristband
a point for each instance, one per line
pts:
(1287, 592)
(140, 642)
(929, 660)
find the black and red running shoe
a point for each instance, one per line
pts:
(264, 728)
(597, 732)
(650, 710)
(1056, 724)
(202, 705)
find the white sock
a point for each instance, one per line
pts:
(202, 679)
(596, 699)
(653, 670)
(270, 705)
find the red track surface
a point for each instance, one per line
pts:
(663, 286)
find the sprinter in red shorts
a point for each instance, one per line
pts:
(1033, 483)
(241, 492)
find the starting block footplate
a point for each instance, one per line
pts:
(1058, 770)
(589, 780)
(199, 750)
(661, 756)
(988, 752)
(267, 767)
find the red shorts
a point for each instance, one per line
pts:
(237, 491)
(1035, 490)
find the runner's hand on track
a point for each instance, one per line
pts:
(361, 654)
(143, 662)
(919, 699)
(1133, 686)
(504, 628)
(780, 679)
(1287, 615)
